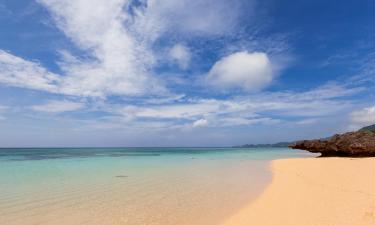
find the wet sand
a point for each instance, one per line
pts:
(314, 191)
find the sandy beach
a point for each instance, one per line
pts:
(314, 191)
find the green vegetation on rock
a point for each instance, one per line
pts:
(369, 128)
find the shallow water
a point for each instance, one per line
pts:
(159, 186)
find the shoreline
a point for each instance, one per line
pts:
(314, 191)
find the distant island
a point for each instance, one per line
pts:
(275, 145)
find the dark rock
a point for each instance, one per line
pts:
(356, 144)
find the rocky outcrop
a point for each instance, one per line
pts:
(356, 144)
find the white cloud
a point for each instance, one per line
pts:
(363, 117)
(200, 123)
(199, 17)
(181, 55)
(117, 39)
(59, 106)
(119, 62)
(248, 71)
(119, 36)
(15, 71)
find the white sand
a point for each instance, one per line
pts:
(315, 191)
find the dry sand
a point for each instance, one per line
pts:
(315, 191)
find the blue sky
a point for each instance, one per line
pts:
(183, 73)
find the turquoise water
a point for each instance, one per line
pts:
(130, 185)
(24, 154)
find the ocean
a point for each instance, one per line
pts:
(132, 186)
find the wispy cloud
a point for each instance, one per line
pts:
(4, 10)
(246, 110)
(58, 106)
(200, 123)
(181, 55)
(200, 17)
(363, 117)
(3, 109)
(15, 71)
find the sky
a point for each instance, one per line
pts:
(183, 72)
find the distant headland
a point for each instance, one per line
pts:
(275, 145)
